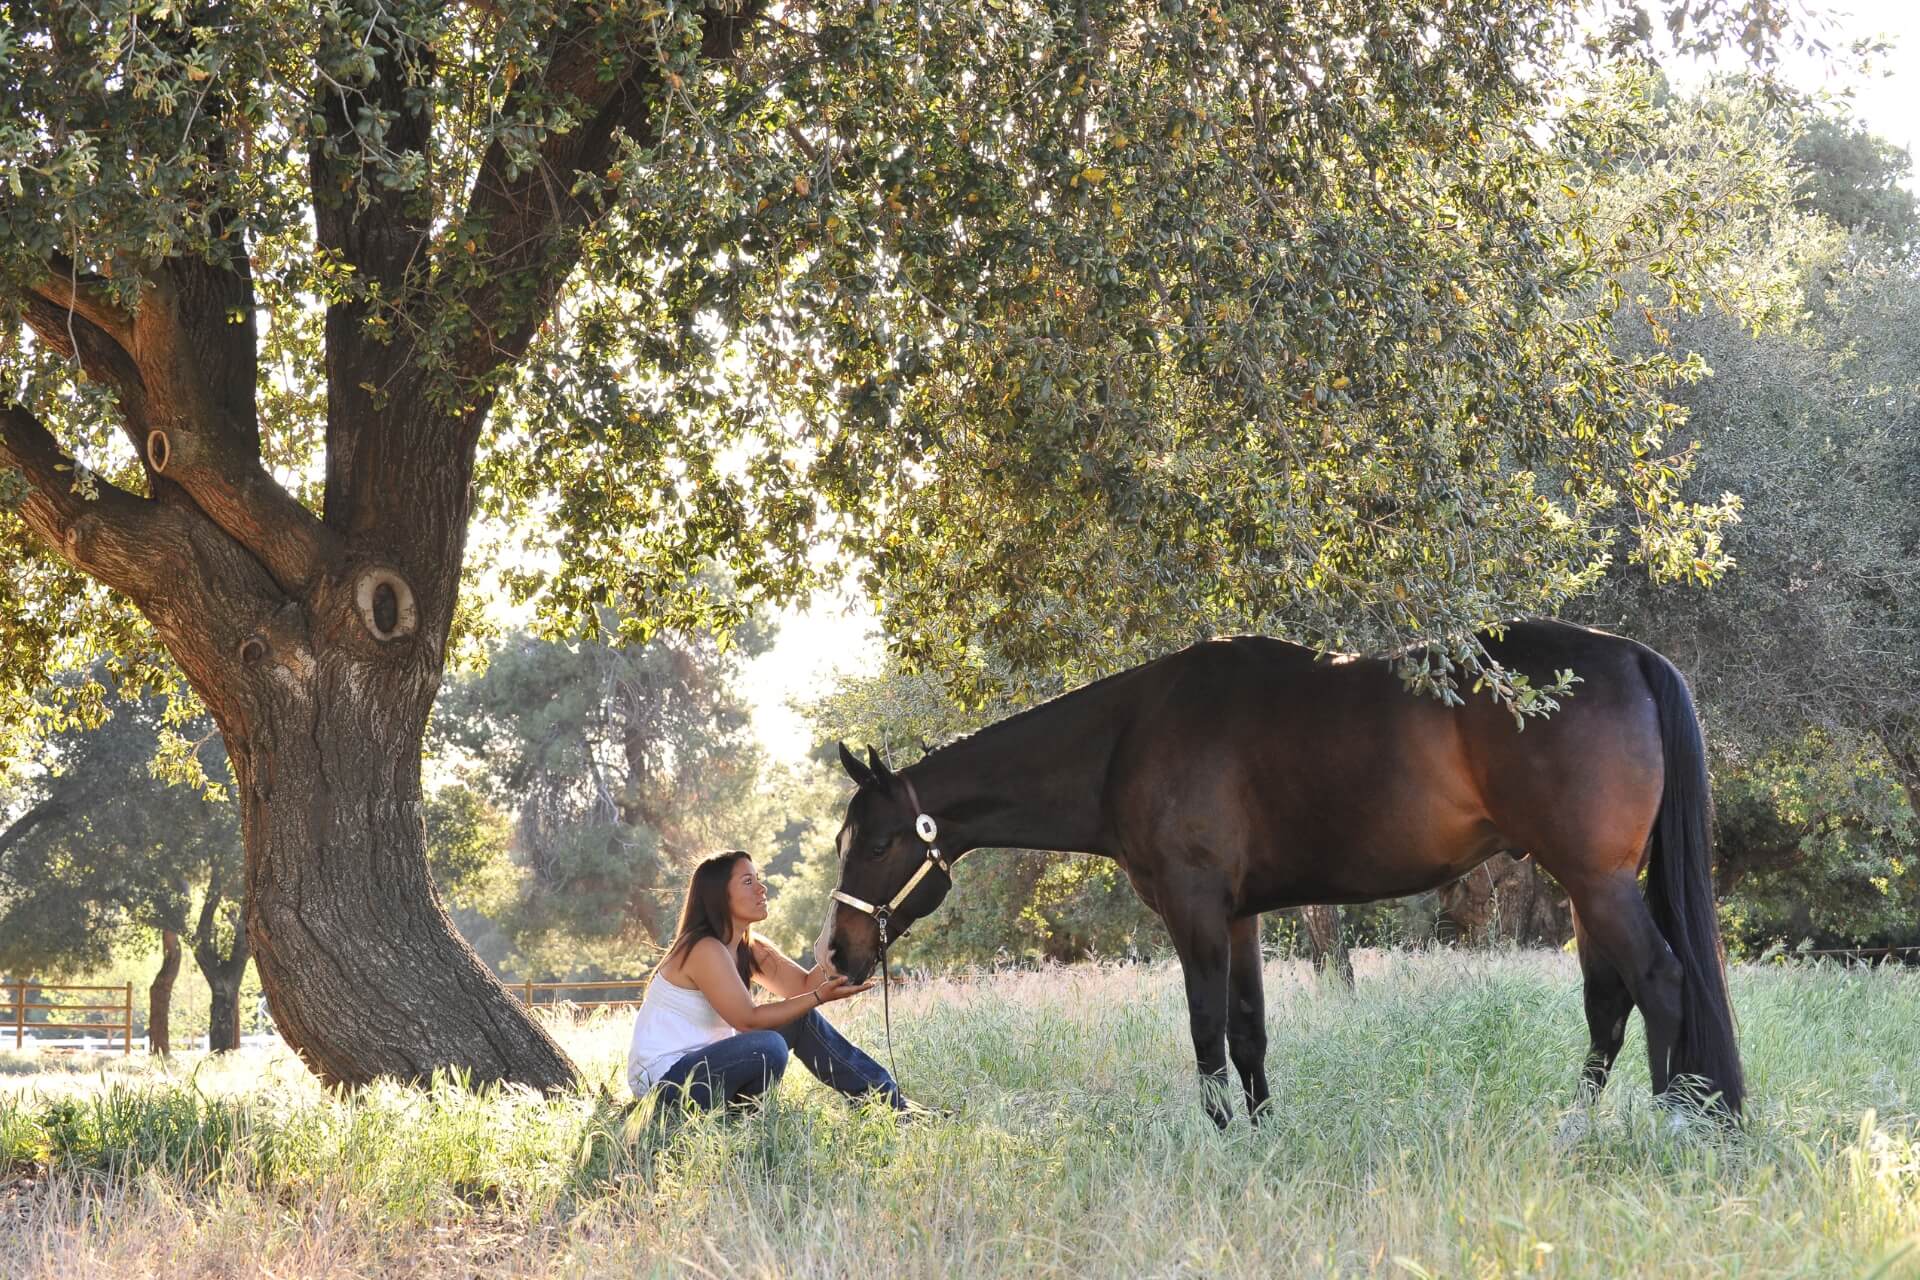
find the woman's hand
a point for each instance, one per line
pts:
(838, 987)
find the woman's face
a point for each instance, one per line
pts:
(746, 893)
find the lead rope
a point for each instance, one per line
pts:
(886, 1003)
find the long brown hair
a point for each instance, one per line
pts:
(707, 914)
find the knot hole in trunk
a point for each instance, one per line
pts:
(386, 604)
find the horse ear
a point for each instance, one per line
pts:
(855, 770)
(880, 771)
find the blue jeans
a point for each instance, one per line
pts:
(741, 1068)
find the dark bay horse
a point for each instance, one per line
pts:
(1245, 775)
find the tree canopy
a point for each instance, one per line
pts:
(980, 290)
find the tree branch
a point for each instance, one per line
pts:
(22, 827)
(185, 387)
(203, 951)
(78, 292)
(100, 357)
(204, 593)
(196, 344)
(100, 528)
(381, 232)
(524, 216)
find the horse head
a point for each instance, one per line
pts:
(891, 869)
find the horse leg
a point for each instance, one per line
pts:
(1608, 1004)
(1200, 940)
(1247, 1013)
(1616, 918)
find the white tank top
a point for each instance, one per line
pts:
(672, 1022)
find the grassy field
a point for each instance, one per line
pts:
(1418, 1131)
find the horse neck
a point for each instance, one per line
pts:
(1032, 782)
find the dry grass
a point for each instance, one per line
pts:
(1415, 1133)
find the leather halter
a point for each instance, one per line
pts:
(928, 831)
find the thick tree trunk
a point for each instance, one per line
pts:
(361, 966)
(317, 641)
(160, 995)
(1325, 941)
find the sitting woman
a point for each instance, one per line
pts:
(699, 1033)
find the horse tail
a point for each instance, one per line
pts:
(1680, 891)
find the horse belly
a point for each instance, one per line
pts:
(1362, 874)
(1402, 840)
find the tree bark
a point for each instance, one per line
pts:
(160, 995)
(362, 968)
(1325, 941)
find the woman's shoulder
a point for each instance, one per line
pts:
(677, 969)
(705, 952)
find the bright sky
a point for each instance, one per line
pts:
(835, 636)
(838, 637)
(1887, 96)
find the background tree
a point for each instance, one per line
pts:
(989, 286)
(106, 849)
(1855, 177)
(469, 848)
(1805, 655)
(220, 949)
(1818, 842)
(619, 766)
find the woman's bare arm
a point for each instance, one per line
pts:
(710, 967)
(775, 971)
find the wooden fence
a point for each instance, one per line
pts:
(529, 993)
(18, 1006)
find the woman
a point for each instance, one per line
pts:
(699, 1033)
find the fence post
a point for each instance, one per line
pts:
(19, 1014)
(529, 993)
(126, 1025)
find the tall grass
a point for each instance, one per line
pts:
(1420, 1128)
